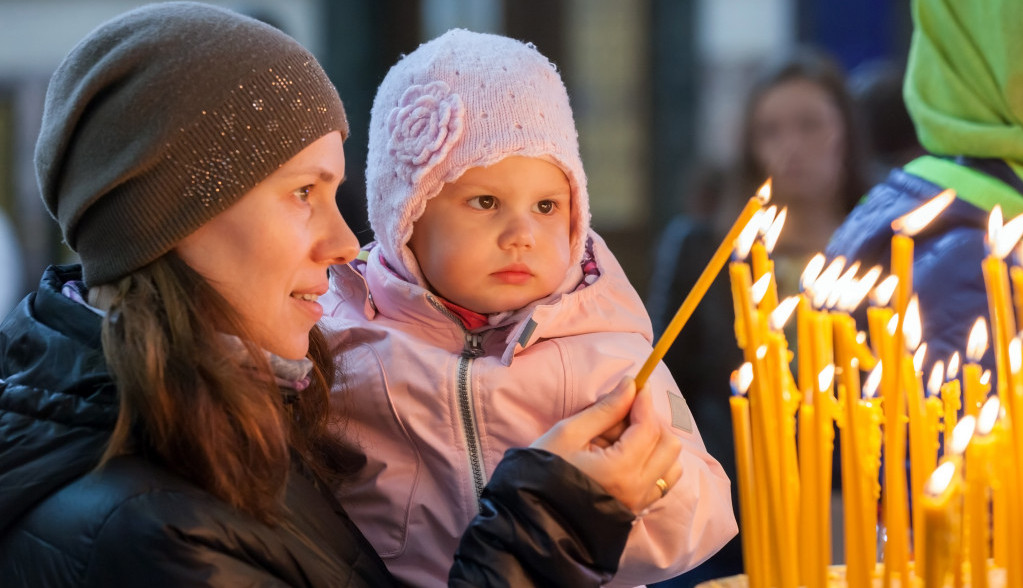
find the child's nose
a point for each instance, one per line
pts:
(519, 232)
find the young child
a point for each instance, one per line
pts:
(485, 280)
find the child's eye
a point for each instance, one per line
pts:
(303, 193)
(546, 206)
(483, 202)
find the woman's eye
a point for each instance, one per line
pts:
(303, 193)
(483, 202)
(546, 206)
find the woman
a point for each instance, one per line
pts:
(800, 130)
(162, 405)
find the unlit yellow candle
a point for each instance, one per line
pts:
(978, 459)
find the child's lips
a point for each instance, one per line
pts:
(516, 273)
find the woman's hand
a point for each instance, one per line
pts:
(620, 443)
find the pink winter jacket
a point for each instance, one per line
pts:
(435, 407)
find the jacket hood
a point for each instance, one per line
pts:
(964, 81)
(57, 402)
(608, 304)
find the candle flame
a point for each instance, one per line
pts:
(746, 375)
(940, 478)
(1015, 355)
(988, 415)
(812, 271)
(893, 325)
(739, 388)
(744, 242)
(774, 231)
(781, 314)
(826, 377)
(764, 224)
(862, 287)
(953, 366)
(918, 357)
(843, 285)
(761, 352)
(994, 226)
(759, 288)
(861, 337)
(962, 433)
(912, 327)
(824, 283)
(914, 221)
(936, 379)
(873, 382)
(764, 192)
(1008, 237)
(884, 291)
(985, 378)
(976, 344)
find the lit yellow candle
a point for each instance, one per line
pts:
(918, 468)
(825, 407)
(1002, 493)
(717, 262)
(978, 458)
(933, 410)
(1003, 325)
(1016, 275)
(940, 502)
(752, 549)
(804, 345)
(975, 347)
(782, 406)
(896, 496)
(771, 224)
(762, 395)
(852, 499)
(870, 418)
(961, 437)
(897, 548)
(808, 476)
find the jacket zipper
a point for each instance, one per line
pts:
(473, 348)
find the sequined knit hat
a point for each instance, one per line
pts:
(162, 118)
(459, 101)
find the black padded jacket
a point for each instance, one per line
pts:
(134, 523)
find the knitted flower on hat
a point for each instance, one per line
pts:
(424, 126)
(460, 101)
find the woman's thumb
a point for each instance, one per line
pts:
(609, 410)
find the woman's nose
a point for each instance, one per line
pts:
(339, 244)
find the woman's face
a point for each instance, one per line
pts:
(268, 253)
(799, 140)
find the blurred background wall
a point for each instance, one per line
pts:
(656, 85)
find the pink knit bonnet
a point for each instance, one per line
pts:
(459, 101)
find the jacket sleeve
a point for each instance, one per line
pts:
(695, 519)
(541, 522)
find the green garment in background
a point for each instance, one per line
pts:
(964, 79)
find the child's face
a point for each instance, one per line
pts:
(497, 238)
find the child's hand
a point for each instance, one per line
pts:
(620, 443)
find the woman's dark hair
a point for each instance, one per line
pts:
(190, 400)
(816, 67)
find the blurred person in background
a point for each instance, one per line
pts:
(801, 130)
(876, 88)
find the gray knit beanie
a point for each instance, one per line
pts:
(162, 118)
(459, 101)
